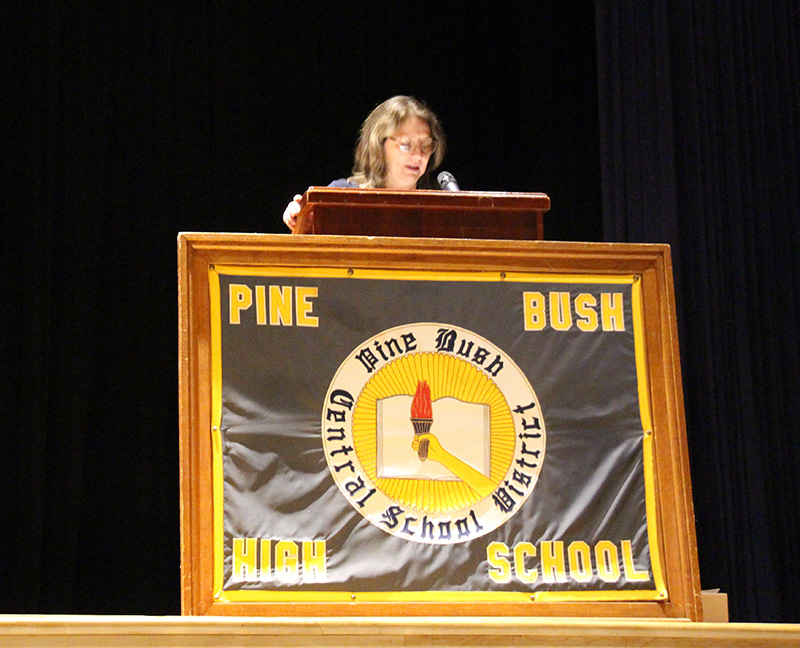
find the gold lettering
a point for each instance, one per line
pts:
(286, 561)
(558, 307)
(607, 559)
(552, 557)
(280, 305)
(580, 561)
(631, 573)
(240, 298)
(304, 307)
(521, 551)
(314, 562)
(244, 559)
(585, 313)
(612, 311)
(261, 305)
(499, 566)
(533, 311)
(266, 559)
(560, 312)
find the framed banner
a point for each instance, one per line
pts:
(385, 426)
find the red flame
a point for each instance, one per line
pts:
(421, 405)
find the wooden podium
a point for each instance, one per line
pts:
(429, 214)
(407, 278)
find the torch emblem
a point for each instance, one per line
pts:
(422, 416)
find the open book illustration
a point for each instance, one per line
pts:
(462, 428)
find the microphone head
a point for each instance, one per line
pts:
(447, 181)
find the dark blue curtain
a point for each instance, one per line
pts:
(699, 106)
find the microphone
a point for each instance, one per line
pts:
(447, 181)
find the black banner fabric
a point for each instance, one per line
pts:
(475, 436)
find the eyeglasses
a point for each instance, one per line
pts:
(407, 146)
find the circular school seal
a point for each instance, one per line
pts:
(433, 433)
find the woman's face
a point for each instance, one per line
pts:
(407, 152)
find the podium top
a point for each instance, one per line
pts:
(430, 198)
(425, 213)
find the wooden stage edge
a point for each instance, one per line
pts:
(442, 632)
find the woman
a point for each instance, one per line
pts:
(401, 144)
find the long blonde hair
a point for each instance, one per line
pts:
(369, 169)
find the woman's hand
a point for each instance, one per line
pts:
(291, 211)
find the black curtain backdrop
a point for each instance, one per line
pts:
(125, 124)
(700, 133)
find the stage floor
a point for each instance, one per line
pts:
(207, 632)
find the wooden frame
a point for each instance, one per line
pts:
(651, 263)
